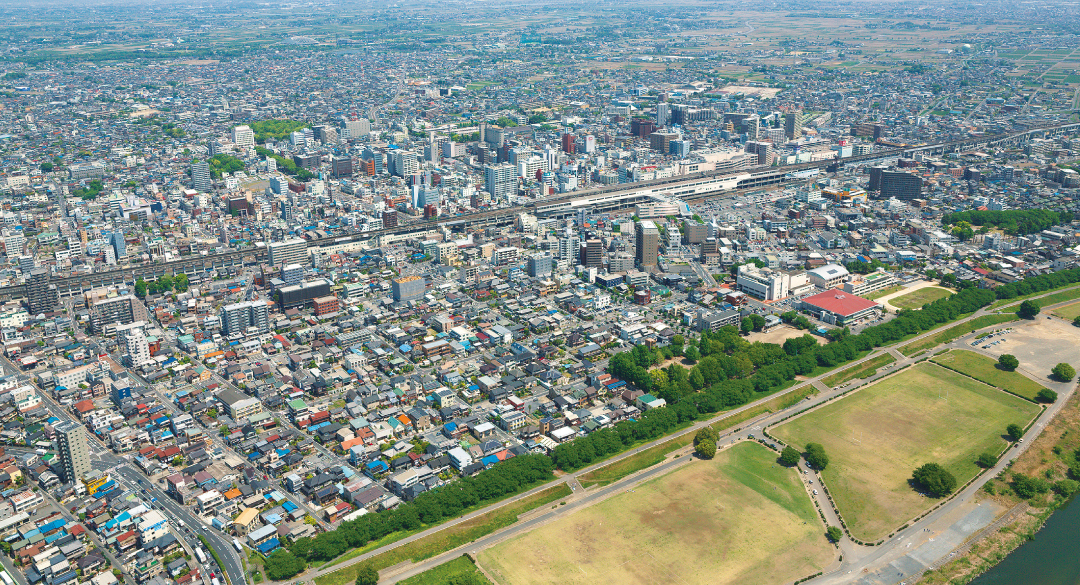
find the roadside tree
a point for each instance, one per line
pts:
(789, 456)
(1063, 372)
(934, 480)
(1008, 362)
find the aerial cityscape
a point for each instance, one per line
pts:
(470, 293)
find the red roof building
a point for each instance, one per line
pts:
(837, 307)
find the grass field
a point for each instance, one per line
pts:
(1058, 297)
(617, 470)
(737, 518)
(955, 332)
(442, 574)
(1017, 300)
(1069, 312)
(863, 370)
(917, 298)
(448, 539)
(985, 369)
(877, 436)
(885, 291)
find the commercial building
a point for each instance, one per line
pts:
(135, 348)
(292, 274)
(326, 305)
(901, 185)
(301, 295)
(71, 442)
(793, 125)
(539, 265)
(592, 253)
(408, 288)
(837, 307)
(646, 243)
(249, 318)
(288, 252)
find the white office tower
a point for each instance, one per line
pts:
(136, 350)
(243, 137)
(569, 245)
(663, 114)
(200, 177)
(356, 128)
(500, 180)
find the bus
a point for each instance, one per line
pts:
(6, 578)
(239, 548)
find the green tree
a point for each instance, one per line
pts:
(986, 460)
(1029, 487)
(367, 576)
(706, 433)
(692, 354)
(816, 456)
(46, 166)
(140, 288)
(1046, 395)
(834, 533)
(282, 564)
(1008, 362)
(789, 456)
(934, 480)
(1063, 372)
(1028, 309)
(1066, 487)
(1076, 321)
(747, 325)
(757, 321)
(1014, 431)
(706, 449)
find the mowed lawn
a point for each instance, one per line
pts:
(1069, 312)
(737, 518)
(875, 438)
(985, 369)
(917, 298)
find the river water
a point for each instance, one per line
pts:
(1050, 559)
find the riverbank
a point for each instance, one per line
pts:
(1044, 467)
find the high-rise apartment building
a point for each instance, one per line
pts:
(793, 125)
(200, 177)
(408, 288)
(292, 274)
(568, 249)
(243, 137)
(500, 180)
(355, 128)
(647, 243)
(288, 252)
(592, 253)
(249, 318)
(901, 185)
(71, 442)
(118, 244)
(41, 296)
(403, 163)
(135, 348)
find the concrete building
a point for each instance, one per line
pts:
(135, 349)
(767, 284)
(828, 276)
(41, 297)
(408, 288)
(646, 243)
(248, 318)
(200, 177)
(71, 442)
(243, 137)
(288, 252)
(500, 180)
(836, 307)
(239, 406)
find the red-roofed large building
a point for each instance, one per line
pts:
(837, 307)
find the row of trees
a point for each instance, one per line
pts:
(1014, 221)
(508, 477)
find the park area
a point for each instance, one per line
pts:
(986, 370)
(876, 437)
(736, 518)
(917, 298)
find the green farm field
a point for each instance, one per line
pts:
(737, 518)
(877, 436)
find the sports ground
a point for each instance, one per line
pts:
(737, 518)
(877, 436)
(917, 298)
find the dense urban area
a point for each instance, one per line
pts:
(323, 293)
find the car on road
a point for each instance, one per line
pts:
(815, 492)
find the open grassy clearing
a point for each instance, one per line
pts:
(441, 575)
(917, 298)
(1069, 312)
(877, 436)
(1058, 297)
(740, 516)
(885, 291)
(985, 370)
(1017, 300)
(448, 539)
(955, 332)
(863, 370)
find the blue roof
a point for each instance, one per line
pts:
(269, 545)
(289, 506)
(489, 460)
(450, 426)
